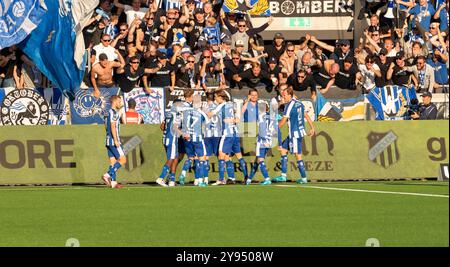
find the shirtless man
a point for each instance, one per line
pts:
(102, 72)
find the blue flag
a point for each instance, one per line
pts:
(389, 101)
(18, 18)
(55, 45)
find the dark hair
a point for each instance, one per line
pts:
(210, 96)
(131, 103)
(102, 57)
(134, 58)
(188, 93)
(222, 94)
(252, 90)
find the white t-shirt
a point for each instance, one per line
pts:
(131, 14)
(108, 50)
(368, 76)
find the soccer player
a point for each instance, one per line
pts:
(267, 129)
(113, 145)
(230, 141)
(170, 141)
(213, 131)
(183, 146)
(194, 120)
(294, 115)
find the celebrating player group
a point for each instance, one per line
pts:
(200, 132)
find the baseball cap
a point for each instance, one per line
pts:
(278, 35)
(400, 54)
(227, 41)
(239, 43)
(186, 49)
(383, 51)
(199, 11)
(161, 55)
(272, 60)
(344, 42)
(426, 94)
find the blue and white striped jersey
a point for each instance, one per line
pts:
(214, 126)
(267, 128)
(113, 118)
(194, 121)
(226, 112)
(295, 112)
(170, 118)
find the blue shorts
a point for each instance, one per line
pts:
(212, 146)
(261, 150)
(293, 145)
(230, 144)
(171, 147)
(115, 152)
(195, 149)
(181, 145)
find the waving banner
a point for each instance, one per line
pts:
(251, 7)
(390, 102)
(150, 106)
(18, 18)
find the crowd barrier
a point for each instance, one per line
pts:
(72, 154)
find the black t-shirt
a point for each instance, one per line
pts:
(128, 81)
(177, 27)
(253, 81)
(382, 81)
(400, 77)
(184, 77)
(149, 33)
(308, 82)
(275, 72)
(122, 47)
(322, 77)
(339, 55)
(230, 70)
(195, 33)
(346, 79)
(273, 52)
(162, 77)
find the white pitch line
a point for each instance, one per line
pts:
(366, 191)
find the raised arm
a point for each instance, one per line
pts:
(322, 44)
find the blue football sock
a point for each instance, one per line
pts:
(172, 177)
(110, 170)
(301, 167)
(198, 169)
(284, 161)
(230, 169)
(117, 166)
(264, 171)
(187, 165)
(207, 165)
(221, 170)
(243, 167)
(205, 169)
(164, 172)
(254, 170)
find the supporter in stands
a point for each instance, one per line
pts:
(232, 68)
(104, 48)
(130, 76)
(346, 77)
(277, 48)
(383, 62)
(186, 76)
(399, 72)
(102, 72)
(368, 71)
(243, 33)
(120, 42)
(133, 11)
(325, 77)
(8, 69)
(438, 63)
(289, 60)
(301, 81)
(424, 75)
(338, 53)
(306, 63)
(162, 77)
(254, 77)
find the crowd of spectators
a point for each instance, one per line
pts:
(140, 43)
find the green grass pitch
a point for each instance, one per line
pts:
(232, 215)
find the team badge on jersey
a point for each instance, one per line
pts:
(24, 107)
